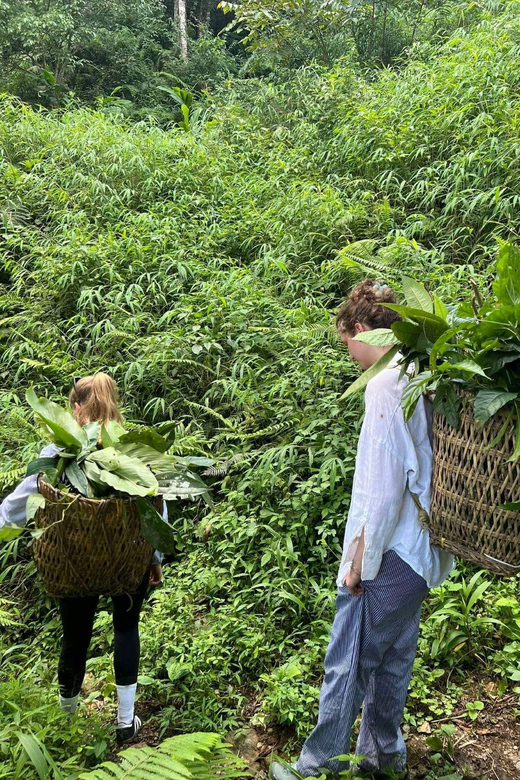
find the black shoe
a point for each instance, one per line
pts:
(279, 771)
(128, 733)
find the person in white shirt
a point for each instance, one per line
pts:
(386, 570)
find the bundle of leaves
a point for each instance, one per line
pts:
(473, 345)
(104, 460)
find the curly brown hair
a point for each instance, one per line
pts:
(362, 305)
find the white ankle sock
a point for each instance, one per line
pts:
(69, 705)
(125, 704)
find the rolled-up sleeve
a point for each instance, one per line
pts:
(12, 508)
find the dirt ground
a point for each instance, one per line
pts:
(488, 747)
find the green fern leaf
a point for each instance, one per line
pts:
(184, 757)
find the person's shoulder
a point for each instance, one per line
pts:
(387, 382)
(49, 451)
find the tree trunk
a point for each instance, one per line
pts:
(182, 23)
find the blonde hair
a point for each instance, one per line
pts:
(98, 399)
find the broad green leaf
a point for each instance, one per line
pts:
(60, 422)
(77, 478)
(488, 402)
(447, 403)
(155, 529)
(106, 440)
(114, 430)
(195, 460)
(507, 285)
(441, 345)
(407, 332)
(431, 325)
(123, 485)
(182, 487)
(8, 532)
(439, 308)
(136, 471)
(371, 372)
(34, 502)
(157, 461)
(40, 465)
(107, 458)
(416, 295)
(92, 430)
(167, 430)
(146, 436)
(467, 366)
(414, 389)
(379, 337)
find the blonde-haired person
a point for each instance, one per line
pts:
(386, 570)
(93, 399)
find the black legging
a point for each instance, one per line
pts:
(77, 617)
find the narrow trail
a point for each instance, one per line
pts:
(488, 747)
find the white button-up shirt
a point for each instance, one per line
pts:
(394, 460)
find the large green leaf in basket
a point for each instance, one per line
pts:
(104, 478)
(66, 431)
(157, 461)
(182, 487)
(155, 529)
(487, 402)
(146, 436)
(107, 458)
(136, 471)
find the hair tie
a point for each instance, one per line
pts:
(380, 287)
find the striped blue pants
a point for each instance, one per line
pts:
(369, 659)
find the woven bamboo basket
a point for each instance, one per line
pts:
(90, 546)
(471, 479)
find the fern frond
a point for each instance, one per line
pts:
(223, 468)
(185, 757)
(10, 478)
(212, 413)
(358, 257)
(6, 618)
(271, 430)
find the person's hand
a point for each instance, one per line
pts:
(352, 581)
(155, 574)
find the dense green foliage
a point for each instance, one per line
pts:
(473, 345)
(202, 269)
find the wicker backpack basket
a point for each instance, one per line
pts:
(90, 546)
(471, 479)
